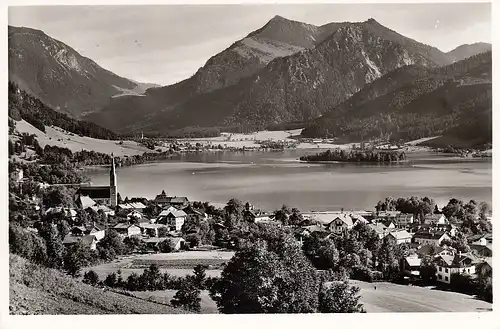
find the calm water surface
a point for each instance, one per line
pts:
(270, 179)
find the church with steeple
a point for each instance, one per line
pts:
(106, 195)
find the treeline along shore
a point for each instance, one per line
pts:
(356, 156)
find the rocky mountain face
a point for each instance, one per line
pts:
(285, 71)
(464, 51)
(59, 76)
(453, 100)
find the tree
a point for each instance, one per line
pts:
(75, 257)
(267, 278)
(340, 297)
(188, 297)
(53, 243)
(484, 210)
(151, 278)
(91, 278)
(111, 245)
(110, 280)
(58, 196)
(296, 217)
(281, 215)
(199, 277)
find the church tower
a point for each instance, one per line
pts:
(113, 195)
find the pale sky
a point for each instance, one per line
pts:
(165, 44)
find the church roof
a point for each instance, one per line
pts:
(95, 192)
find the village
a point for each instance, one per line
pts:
(174, 221)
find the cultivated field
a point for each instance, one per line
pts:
(391, 297)
(178, 263)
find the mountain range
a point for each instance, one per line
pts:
(60, 77)
(286, 71)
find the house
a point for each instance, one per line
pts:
(66, 212)
(84, 201)
(380, 229)
(173, 218)
(134, 215)
(435, 219)
(435, 251)
(430, 237)
(196, 213)
(256, 216)
(138, 206)
(105, 209)
(340, 224)
(175, 201)
(127, 230)
(87, 240)
(399, 237)
(410, 266)
(176, 243)
(477, 239)
(459, 263)
(482, 251)
(403, 220)
(151, 230)
(388, 215)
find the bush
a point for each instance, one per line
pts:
(91, 278)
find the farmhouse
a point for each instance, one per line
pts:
(173, 218)
(168, 201)
(435, 251)
(87, 240)
(151, 230)
(399, 237)
(483, 251)
(459, 263)
(430, 237)
(435, 219)
(380, 229)
(127, 230)
(340, 224)
(403, 220)
(410, 266)
(176, 243)
(66, 212)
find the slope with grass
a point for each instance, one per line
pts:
(391, 297)
(38, 290)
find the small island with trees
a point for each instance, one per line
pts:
(339, 155)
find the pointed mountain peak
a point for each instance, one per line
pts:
(278, 18)
(372, 21)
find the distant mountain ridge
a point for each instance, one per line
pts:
(468, 50)
(59, 76)
(336, 61)
(286, 71)
(453, 100)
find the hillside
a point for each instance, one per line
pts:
(341, 59)
(23, 106)
(468, 50)
(59, 76)
(454, 100)
(38, 290)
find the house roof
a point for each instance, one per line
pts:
(86, 239)
(346, 218)
(456, 260)
(85, 201)
(177, 199)
(429, 235)
(427, 248)
(404, 216)
(95, 192)
(124, 225)
(413, 261)
(174, 211)
(102, 207)
(151, 226)
(400, 235)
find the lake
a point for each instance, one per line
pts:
(270, 179)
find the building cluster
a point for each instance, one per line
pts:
(425, 238)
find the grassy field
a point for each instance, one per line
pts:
(178, 264)
(391, 297)
(208, 306)
(59, 137)
(38, 290)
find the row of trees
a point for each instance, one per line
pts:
(356, 156)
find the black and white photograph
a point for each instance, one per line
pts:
(187, 159)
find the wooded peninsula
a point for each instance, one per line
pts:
(356, 156)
